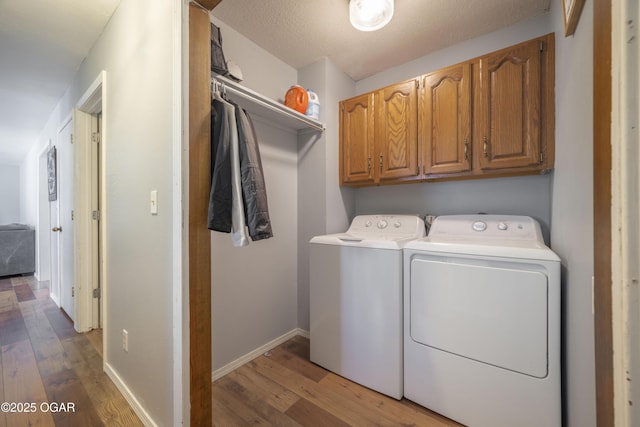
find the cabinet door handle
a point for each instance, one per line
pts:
(381, 161)
(466, 149)
(369, 163)
(484, 146)
(56, 229)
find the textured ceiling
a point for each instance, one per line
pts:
(299, 32)
(42, 44)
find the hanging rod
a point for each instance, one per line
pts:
(266, 107)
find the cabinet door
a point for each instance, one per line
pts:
(446, 120)
(356, 140)
(509, 107)
(396, 124)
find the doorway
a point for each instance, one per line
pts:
(88, 118)
(61, 191)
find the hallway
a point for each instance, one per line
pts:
(49, 374)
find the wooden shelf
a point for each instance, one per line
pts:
(267, 108)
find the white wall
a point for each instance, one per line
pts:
(29, 171)
(323, 207)
(136, 51)
(254, 288)
(10, 194)
(572, 210)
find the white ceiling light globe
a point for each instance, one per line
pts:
(370, 15)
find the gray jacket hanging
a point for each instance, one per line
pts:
(254, 195)
(254, 191)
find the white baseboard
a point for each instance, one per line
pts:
(144, 416)
(221, 372)
(54, 298)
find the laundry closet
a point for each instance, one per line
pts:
(261, 292)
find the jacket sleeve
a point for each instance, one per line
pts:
(219, 214)
(253, 186)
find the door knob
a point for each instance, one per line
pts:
(56, 229)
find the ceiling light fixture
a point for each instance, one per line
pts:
(370, 15)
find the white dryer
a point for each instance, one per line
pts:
(482, 322)
(356, 300)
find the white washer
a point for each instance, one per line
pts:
(356, 300)
(482, 322)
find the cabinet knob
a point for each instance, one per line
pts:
(57, 229)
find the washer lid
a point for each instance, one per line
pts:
(508, 236)
(377, 231)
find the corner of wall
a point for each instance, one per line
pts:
(323, 207)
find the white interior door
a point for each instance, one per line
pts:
(54, 241)
(65, 208)
(96, 128)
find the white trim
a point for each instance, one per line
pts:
(303, 333)
(93, 101)
(625, 192)
(90, 103)
(144, 416)
(54, 298)
(179, 374)
(229, 367)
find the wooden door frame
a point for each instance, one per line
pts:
(199, 246)
(602, 212)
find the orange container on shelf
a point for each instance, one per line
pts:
(297, 98)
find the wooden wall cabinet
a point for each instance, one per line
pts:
(379, 136)
(396, 132)
(489, 116)
(445, 129)
(510, 107)
(356, 140)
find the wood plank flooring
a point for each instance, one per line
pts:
(44, 361)
(282, 387)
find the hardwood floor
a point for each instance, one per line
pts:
(282, 387)
(44, 363)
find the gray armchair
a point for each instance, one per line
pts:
(17, 249)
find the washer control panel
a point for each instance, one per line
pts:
(387, 225)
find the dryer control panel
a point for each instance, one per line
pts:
(486, 228)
